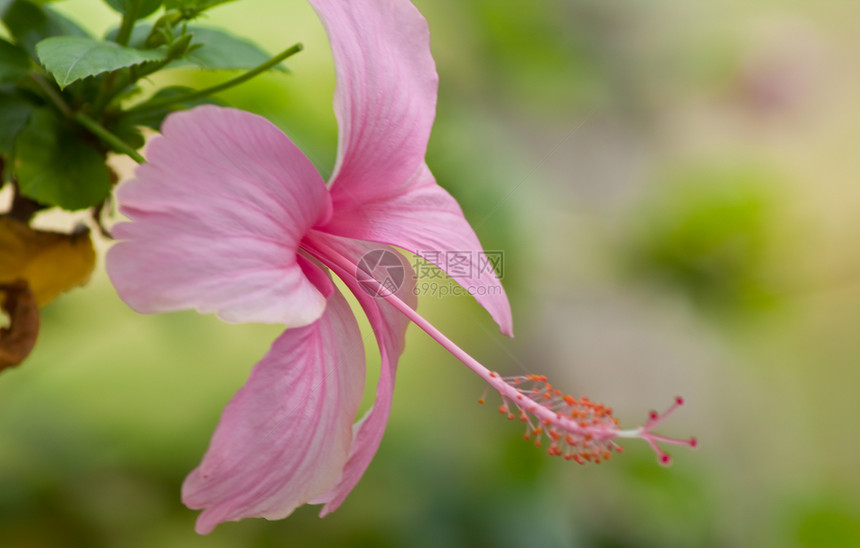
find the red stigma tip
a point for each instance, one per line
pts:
(647, 433)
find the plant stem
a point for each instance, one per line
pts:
(52, 94)
(107, 92)
(109, 138)
(95, 128)
(128, 19)
(220, 87)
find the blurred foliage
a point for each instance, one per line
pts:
(705, 232)
(827, 524)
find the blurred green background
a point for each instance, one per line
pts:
(674, 186)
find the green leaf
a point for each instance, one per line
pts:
(127, 131)
(221, 50)
(71, 58)
(153, 118)
(14, 62)
(56, 165)
(147, 7)
(29, 24)
(215, 49)
(14, 113)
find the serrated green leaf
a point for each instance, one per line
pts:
(147, 7)
(216, 49)
(71, 58)
(56, 166)
(222, 50)
(153, 118)
(29, 24)
(14, 113)
(14, 62)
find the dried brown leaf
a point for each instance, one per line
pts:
(50, 262)
(18, 339)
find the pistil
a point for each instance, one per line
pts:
(577, 429)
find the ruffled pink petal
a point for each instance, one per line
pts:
(217, 215)
(389, 326)
(424, 219)
(385, 103)
(285, 437)
(385, 99)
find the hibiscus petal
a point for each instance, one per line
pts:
(423, 218)
(285, 437)
(389, 326)
(385, 99)
(385, 103)
(217, 215)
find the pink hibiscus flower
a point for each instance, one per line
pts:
(229, 216)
